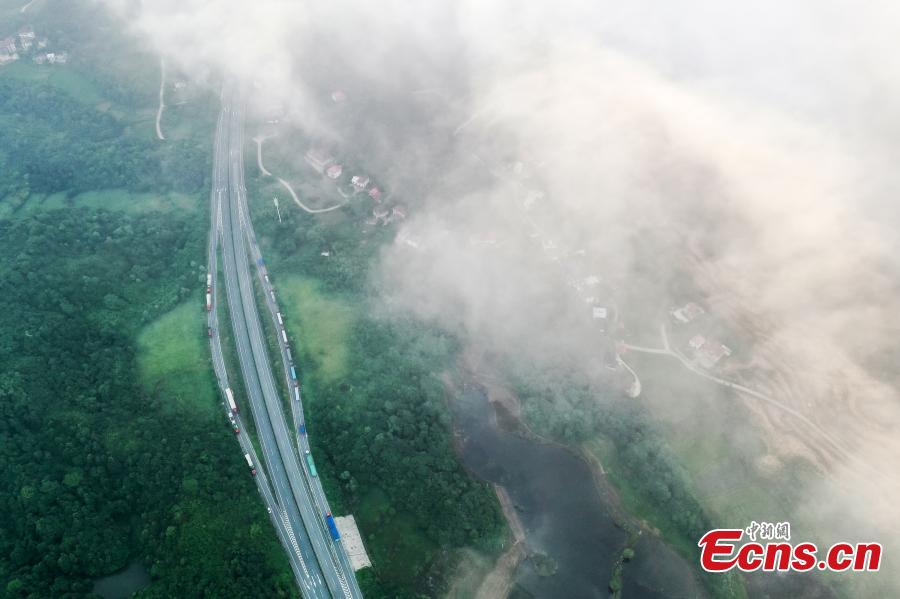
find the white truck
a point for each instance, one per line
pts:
(230, 397)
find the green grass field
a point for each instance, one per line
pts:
(136, 203)
(61, 77)
(173, 360)
(320, 323)
(106, 199)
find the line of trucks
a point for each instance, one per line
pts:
(329, 519)
(232, 405)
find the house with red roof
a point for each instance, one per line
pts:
(697, 341)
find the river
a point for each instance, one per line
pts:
(564, 517)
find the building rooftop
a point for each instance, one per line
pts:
(697, 341)
(688, 312)
(319, 158)
(352, 542)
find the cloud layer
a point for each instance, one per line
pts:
(748, 149)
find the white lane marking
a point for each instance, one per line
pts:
(290, 531)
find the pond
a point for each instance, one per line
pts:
(122, 584)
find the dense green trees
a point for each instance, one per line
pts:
(95, 472)
(386, 425)
(51, 142)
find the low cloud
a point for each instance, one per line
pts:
(747, 149)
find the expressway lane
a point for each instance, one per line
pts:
(295, 500)
(313, 486)
(282, 508)
(336, 577)
(240, 306)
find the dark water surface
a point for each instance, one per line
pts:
(563, 515)
(553, 491)
(124, 583)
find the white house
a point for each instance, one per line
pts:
(360, 182)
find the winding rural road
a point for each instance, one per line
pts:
(162, 94)
(285, 184)
(823, 435)
(297, 201)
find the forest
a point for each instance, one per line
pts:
(97, 472)
(100, 471)
(386, 426)
(51, 142)
(382, 431)
(103, 472)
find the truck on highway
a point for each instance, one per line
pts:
(284, 336)
(280, 320)
(208, 302)
(332, 527)
(230, 396)
(208, 282)
(302, 428)
(250, 463)
(297, 393)
(293, 373)
(309, 462)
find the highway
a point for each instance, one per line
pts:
(314, 483)
(278, 516)
(295, 499)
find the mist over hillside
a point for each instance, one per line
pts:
(738, 156)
